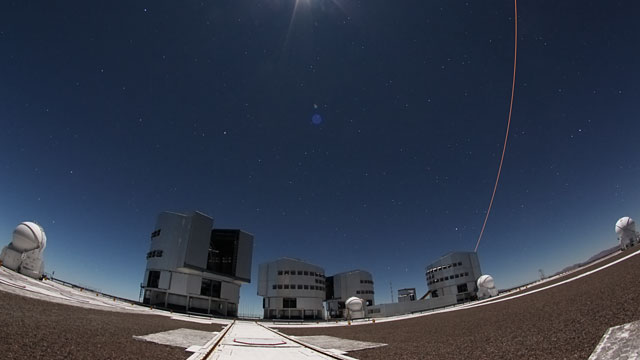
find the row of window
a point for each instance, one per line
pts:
(366, 282)
(300, 272)
(298, 287)
(444, 267)
(155, 233)
(447, 278)
(154, 253)
(364, 292)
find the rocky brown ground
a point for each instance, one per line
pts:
(564, 322)
(35, 329)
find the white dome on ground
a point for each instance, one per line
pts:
(486, 281)
(354, 303)
(29, 236)
(625, 224)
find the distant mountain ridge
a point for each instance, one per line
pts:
(595, 257)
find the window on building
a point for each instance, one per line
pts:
(299, 272)
(459, 263)
(446, 278)
(280, 286)
(286, 286)
(286, 272)
(211, 288)
(293, 272)
(279, 272)
(275, 287)
(289, 303)
(357, 292)
(154, 253)
(466, 274)
(457, 276)
(306, 273)
(306, 287)
(462, 288)
(299, 287)
(154, 279)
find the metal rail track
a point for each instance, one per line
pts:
(225, 332)
(217, 342)
(310, 347)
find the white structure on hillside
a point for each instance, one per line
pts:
(626, 231)
(24, 253)
(192, 267)
(342, 286)
(486, 287)
(291, 289)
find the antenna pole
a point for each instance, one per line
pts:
(391, 290)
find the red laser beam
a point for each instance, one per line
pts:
(506, 136)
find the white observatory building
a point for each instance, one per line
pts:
(355, 308)
(24, 253)
(194, 268)
(349, 284)
(626, 231)
(454, 274)
(486, 287)
(408, 294)
(291, 289)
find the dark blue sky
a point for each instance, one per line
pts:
(112, 112)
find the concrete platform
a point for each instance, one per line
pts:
(619, 343)
(185, 338)
(337, 344)
(248, 340)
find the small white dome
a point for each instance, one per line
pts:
(486, 282)
(354, 303)
(29, 236)
(625, 224)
